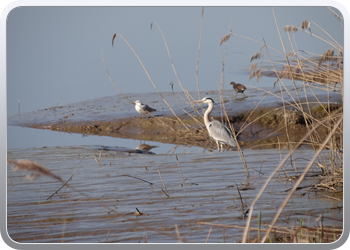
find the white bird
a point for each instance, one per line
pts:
(217, 131)
(143, 109)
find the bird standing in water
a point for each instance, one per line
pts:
(143, 109)
(239, 88)
(217, 131)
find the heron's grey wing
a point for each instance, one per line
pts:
(147, 108)
(221, 133)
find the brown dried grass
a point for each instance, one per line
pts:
(225, 38)
(35, 169)
(305, 24)
(255, 56)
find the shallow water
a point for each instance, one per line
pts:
(22, 137)
(103, 199)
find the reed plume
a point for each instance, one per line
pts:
(257, 55)
(225, 38)
(36, 169)
(289, 28)
(305, 24)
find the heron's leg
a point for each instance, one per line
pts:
(243, 94)
(235, 95)
(217, 145)
(221, 148)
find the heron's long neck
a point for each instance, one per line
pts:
(207, 113)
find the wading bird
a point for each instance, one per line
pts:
(217, 131)
(143, 109)
(239, 88)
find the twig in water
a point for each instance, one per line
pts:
(63, 229)
(181, 172)
(10, 181)
(206, 241)
(98, 161)
(108, 234)
(165, 192)
(242, 205)
(62, 185)
(163, 182)
(138, 212)
(137, 178)
(178, 233)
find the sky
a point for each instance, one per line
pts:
(54, 53)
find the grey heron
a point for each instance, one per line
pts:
(239, 88)
(217, 131)
(143, 109)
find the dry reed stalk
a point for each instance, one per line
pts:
(302, 176)
(199, 46)
(302, 72)
(137, 178)
(149, 77)
(286, 126)
(163, 182)
(10, 181)
(335, 14)
(36, 169)
(171, 61)
(181, 173)
(335, 44)
(65, 184)
(224, 58)
(290, 104)
(285, 53)
(63, 230)
(244, 238)
(178, 234)
(127, 97)
(279, 149)
(206, 241)
(243, 211)
(225, 39)
(98, 161)
(256, 106)
(234, 135)
(194, 118)
(108, 234)
(240, 227)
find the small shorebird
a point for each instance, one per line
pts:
(217, 131)
(143, 109)
(239, 88)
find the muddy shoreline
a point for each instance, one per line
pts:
(115, 116)
(259, 129)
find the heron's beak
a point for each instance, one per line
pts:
(199, 101)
